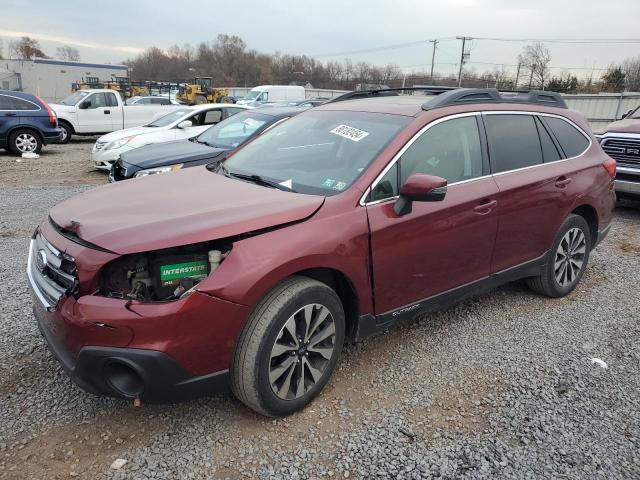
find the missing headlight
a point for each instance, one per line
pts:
(161, 275)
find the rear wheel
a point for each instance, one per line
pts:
(289, 347)
(567, 259)
(25, 141)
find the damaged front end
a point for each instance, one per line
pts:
(162, 275)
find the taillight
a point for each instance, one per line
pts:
(610, 166)
(53, 120)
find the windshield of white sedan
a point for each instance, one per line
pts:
(317, 152)
(235, 130)
(169, 118)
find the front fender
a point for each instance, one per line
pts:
(257, 264)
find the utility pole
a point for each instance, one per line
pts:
(462, 57)
(433, 55)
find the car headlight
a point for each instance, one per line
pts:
(118, 143)
(155, 171)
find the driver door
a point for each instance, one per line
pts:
(441, 245)
(97, 117)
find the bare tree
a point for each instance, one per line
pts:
(1, 48)
(631, 70)
(535, 58)
(26, 48)
(68, 53)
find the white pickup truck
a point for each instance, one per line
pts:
(98, 111)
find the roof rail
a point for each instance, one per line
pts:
(463, 96)
(388, 92)
(449, 96)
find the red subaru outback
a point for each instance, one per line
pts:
(330, 226)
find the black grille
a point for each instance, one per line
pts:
(52, 273)
(625, 151)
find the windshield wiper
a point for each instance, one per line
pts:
(255, 179)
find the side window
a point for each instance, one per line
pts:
(97, 100)
(160, 101)
(571, 140)
(387, 187)
(264, 97)
(111, 100)
(513, 142)
(450, 150)
(5, 104)
(232, 111)
(212, 117)
(549, 151)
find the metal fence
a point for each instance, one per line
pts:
(601, 109)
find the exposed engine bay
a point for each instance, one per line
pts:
(162, 275)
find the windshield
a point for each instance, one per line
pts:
(169, 118)
(635, 114)
(318, 152)
(74, 98)
(235, 130)
(252, 94)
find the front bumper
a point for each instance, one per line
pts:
(152, 376)
(627, 181)
(104, 159)
(159, 352)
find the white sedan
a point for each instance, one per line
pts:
(180, 124)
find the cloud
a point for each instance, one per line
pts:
(68, 41)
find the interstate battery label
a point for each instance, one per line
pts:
(182, 270)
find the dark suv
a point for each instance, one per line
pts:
(334, 224)
(26, 123)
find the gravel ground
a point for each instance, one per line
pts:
(502, 385)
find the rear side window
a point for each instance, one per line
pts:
(571, 140)
(111, 100)
(8, 102)
(513, 142)
(549, 151)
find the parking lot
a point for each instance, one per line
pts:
(503, 385)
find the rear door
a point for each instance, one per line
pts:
(533, 179)
(8, 117)
(438, 246)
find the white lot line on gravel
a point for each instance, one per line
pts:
(500, 386)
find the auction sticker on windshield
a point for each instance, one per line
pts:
(350, 132)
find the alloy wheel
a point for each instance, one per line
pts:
(570, 257)
(302, 350)
(65, 134)
(26, 142)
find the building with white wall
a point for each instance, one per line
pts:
(51, 79)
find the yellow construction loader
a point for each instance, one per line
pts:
(201, 91)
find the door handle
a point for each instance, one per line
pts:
(563, 182)
(107, 112)
(485, 207)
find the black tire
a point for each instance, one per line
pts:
(67, 132)
(547, 283)
(25, 140)
(253, 359)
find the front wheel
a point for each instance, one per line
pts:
(567, 259)
(67, 131)
(289, 347)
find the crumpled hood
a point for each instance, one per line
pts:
(169, 153)
(128, 132)
(181, 208)
(628, 125)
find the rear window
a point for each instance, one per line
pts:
(513, 142)
(572, 141)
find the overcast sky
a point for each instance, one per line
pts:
(116, 30)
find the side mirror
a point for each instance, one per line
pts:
(419, 188)
(185, 124)
(629, 112)
(84, 105)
